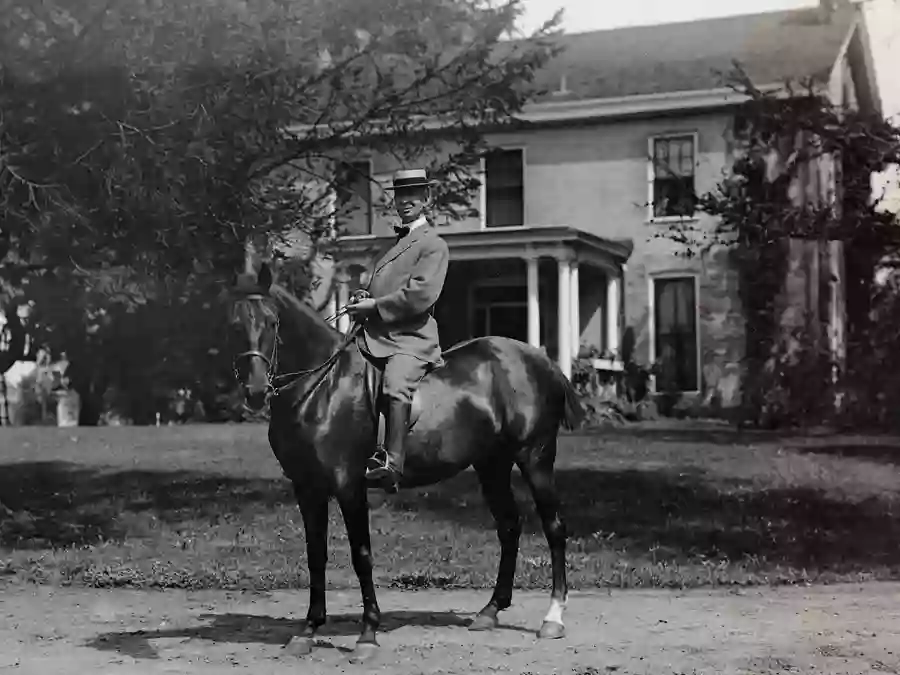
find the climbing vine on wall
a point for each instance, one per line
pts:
(787, 147)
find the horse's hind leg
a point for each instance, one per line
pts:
(537, 469)
(314, 509)
(495, 485)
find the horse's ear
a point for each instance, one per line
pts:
(264, 280)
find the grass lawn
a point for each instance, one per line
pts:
(206, 506)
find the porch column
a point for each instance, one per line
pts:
(575, 309)
(331, 307)
(343, 297)
(534, 303)
(613, 303)
(564, 326)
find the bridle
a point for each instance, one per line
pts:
(271, 360)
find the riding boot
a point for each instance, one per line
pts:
(396, 429)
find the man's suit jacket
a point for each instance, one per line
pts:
(406, 283)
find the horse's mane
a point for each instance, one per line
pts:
(307, 313)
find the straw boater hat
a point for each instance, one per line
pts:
(406, 178)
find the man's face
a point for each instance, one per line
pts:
(411, 203)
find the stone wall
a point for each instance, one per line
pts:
(720, 320)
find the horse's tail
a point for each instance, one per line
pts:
(573, 413)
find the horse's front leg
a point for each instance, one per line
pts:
(354, 504)
(314, 509)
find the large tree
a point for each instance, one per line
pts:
(143, 142)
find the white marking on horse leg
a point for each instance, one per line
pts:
(555, 613)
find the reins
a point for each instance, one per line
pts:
(324, 367)
(337, 315)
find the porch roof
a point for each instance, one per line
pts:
(525, 241)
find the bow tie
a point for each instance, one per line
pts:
(401, 231)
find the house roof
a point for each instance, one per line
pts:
(772, 47)
(503, 242)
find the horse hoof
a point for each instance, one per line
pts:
(363, 652)
(551, 630)
(483, 622)
(299, 646)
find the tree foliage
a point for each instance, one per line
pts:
(787, 144)
(154, 129)
(142, 142)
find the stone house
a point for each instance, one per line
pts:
(565, 252)
(879, 27)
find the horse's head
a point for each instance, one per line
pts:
(256, 316)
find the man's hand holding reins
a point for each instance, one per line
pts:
(361, 306)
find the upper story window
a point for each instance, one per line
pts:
(504, 185)
(355, 196)
(672, 176)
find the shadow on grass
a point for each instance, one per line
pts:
(885, 451)
(704, 433)
(669, 514)
(700, 433)
(64, 503)
(260, 629)
(688, 514)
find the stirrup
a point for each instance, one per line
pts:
(380, 473)
(377, 466)
(378, 459)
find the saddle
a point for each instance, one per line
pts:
(374, 383)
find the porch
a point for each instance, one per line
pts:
(554, 287)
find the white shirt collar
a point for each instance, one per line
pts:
(418, 222)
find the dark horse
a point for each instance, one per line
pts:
(494, 403)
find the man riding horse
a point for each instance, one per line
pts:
(494, 403)
(399, 334)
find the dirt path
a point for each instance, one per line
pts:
(841, 629)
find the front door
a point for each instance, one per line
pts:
(501, 310)
(505, 320)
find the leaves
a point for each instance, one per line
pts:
(803, 170)
(142, 142)
(155, 129)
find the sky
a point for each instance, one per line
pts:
(587, 15)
